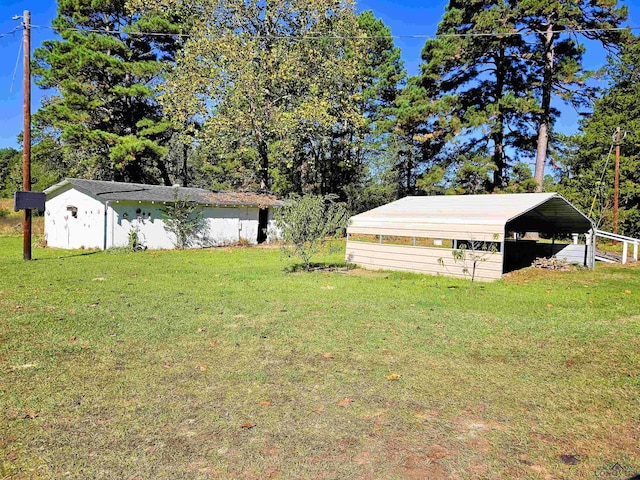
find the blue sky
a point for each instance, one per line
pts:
(404, 17)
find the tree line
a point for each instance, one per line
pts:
(311, 96)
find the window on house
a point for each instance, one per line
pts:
(73, 210)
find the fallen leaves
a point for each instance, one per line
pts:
(327, 356)
(248, 425)
(393, 376)
(12, 455)
(627, 292)
(345, 402)
(201, 368)
(549, 305)
(265, 403)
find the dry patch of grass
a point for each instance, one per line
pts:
(11, 222)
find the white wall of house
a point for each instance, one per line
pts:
(73, 219)
(225, 225)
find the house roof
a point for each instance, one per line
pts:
(120, 191)
(476, 215)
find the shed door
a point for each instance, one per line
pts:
(263, 221)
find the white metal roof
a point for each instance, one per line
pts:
(475, 214)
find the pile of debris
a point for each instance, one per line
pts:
(551, 264)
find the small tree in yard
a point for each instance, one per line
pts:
(184, 220)
(306, 223)
(470, 253)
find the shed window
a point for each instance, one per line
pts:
(73, 210)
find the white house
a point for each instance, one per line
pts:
(98, 214)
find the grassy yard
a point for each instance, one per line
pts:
(219, 364)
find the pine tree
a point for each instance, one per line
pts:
(103, 114)
(479, 79)
(413, 144)
(557, 54)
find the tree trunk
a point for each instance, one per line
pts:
(543, 128)
(164, 174)
(263, 173)
(409, 188)
(185, 171)
(498, 128)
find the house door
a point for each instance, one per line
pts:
(263, 221)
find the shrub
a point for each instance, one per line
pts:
(306, 223)
(184, 219)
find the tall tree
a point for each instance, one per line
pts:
(413, 143)
(557, 54)
(588, 164)
(354, 155)
(262, 74)
(479, 78)
(103, 113)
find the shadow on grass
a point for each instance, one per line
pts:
(338, 267)
(71, 255)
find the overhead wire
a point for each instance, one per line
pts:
(600, 185)
(11, 32)
(343, 37)
(15, 70)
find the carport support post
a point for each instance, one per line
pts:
(591, 242)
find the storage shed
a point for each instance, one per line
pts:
(98, 214)
(426, 234)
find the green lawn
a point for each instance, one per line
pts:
(153, 365)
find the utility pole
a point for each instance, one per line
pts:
(26, 136)
(616, 183)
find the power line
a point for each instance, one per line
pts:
(15, 70)
(11, 32)
(342, 37)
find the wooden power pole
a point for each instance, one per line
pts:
(26, 136)
(616, 183)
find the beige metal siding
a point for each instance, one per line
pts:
(420, 260)
(484, 233)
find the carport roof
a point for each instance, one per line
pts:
(137, 192)
(541, 212)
